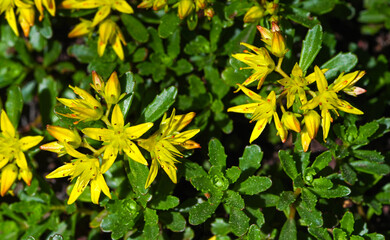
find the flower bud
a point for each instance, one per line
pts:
(305, 139)
(185, 8)
(81, 29)
(266, 35)
(200, 4)
(71, 137)
(290, 121)
(312, 123)
(271, 8)
(254, 14)
(159, 4)
(282, 132)
(278, 44)
(145, 4)
(112, 91)
(98, 83)
(209, 12)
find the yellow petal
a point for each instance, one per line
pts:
(100, 134)
(189, 144)
(50, 6)
(325, 122)
(279, 127)
(20, 159)
(322, 83)
(3, 160)
(95, 191)
(312, 123)
(182, 137)
(77, 190)
(117, 120)
(312, 77)
(54, 147)
(134, 153)
(305, 139)
(152, 173)
(254, 14)
(109, 157)
(258, 129)
(170, 170)
(245, 108)
(346, 107)
(72, 152)
(26, 175)
(185, 8)
(103, 185)
(291, 122)
(249, 93)
(117, 46)
(63, 171)
(101, 14)
(8, 177)
(137, 131)
(38, 4)
(81, 29)
(10, 16)
(123, 6)
(29, 142)
(64, 134)
(7, 128)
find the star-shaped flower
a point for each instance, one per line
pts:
(12, 159)
(117, 138)
(165, 144)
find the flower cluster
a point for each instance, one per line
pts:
(117, 138)
(13, 163)
(26, 12)
(296, 90)
(109, 32)
(184, 7)
(261, 9)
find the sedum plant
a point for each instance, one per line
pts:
(118, 120)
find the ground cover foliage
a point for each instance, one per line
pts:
(196, 119)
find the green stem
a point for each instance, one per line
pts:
(85, 144)
(279, 69)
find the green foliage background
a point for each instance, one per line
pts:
(228, 189)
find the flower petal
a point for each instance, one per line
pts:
(95, 191)
(123, 6)
(245, 108)
(101, 14)
(29, 142)
(322, 83)
(63, 171)
(325, 122)
(8, 177)
(6, 126)
(77, 190)
(134, 153)
(109, 157)
(26, 175)
(10, 16)
(117, 120)
(258, 129)
(103, 185)
(152, 173)
(137, 131)
(20, 159)
(182, 137)
(100, 134)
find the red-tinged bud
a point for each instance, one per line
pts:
(209, 12)
(254, 14)
(291, 122)
(97, 82)
(266, 35)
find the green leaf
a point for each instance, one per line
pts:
(370, 155)
(250, 160)
(52, 54)
(347, 223)
(342, 62)
(217, 85)
(234, 199)
(201, 212)
(168, 24)
(310, 47)
(173, 48)
(14, 104)
(151, 228)
(254, 185)
(322, 183)
(335, 192)
(128, 85)
(310, 216)
(322, 161)
(135, 28)
(303, 17)
(173, 221)
(285, 200)
(215, 32)
(220, 228)
(217, 154)
(348, 174)
(238, 221)
(339, 234)
(47, 93)
(121, 217)
(318, 6)
(288, 164)
(247, 35)
(233, 174)
(366, 131)
(182, 66)
(193, 170)
(319, 233)
(137, 174)
(356, 237)
(38, 42)
(375, 236)
(160, 105)
(254, 233)
(289, 230)
(200, 45)
(11, 72)
(164, 202)
(83, 53)
(370, 167)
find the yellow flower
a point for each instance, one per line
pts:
(262, 110)
(104, 6)
(85, 109)
(117, 138)
(185, 8)
(81, 29)
(274, 40)
(50, 5)
(346, 83)
(26, 14)
(63, 135)
(87, 170)
(12, 159)
(261, 63)
(327, 100)
(296, 84)
(165, 143)
(254, 14)
(110, 91)
(109, 32)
